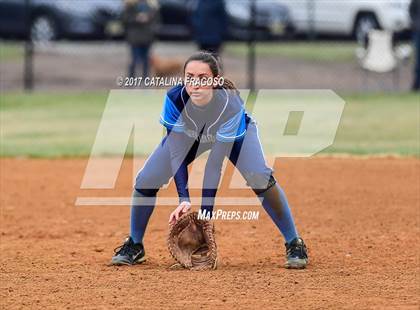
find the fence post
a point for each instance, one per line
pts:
(251, 47)
(311, 19)
(28, 79)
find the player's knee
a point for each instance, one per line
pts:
(147, 192)
(147, 185)
(259, 182)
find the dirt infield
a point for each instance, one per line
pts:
(359, 218)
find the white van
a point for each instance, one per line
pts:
(348, 17)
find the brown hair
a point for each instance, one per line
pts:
(215, 68)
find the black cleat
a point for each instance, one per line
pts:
(297, 255)
(129, 253)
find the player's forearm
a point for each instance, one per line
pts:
(211, 181)
(181, 183)
(178, 146)
(212, 173)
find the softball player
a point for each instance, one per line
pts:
(200, 117)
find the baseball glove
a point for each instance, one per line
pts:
(191, 242)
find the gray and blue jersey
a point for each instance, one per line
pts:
(223, 119)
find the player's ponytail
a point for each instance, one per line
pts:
(215, 68)
(228, 84)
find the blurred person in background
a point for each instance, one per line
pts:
(415, 19)
(209, 23)
(140, 18)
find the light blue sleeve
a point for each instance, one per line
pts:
(171, 117)
(233, 129)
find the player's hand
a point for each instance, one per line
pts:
(183, 208)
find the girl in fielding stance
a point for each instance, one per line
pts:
(200, 117)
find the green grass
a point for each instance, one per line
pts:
(57, 125)
(49, 124)
(11, 51)
(379, 124)
(308, 51)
